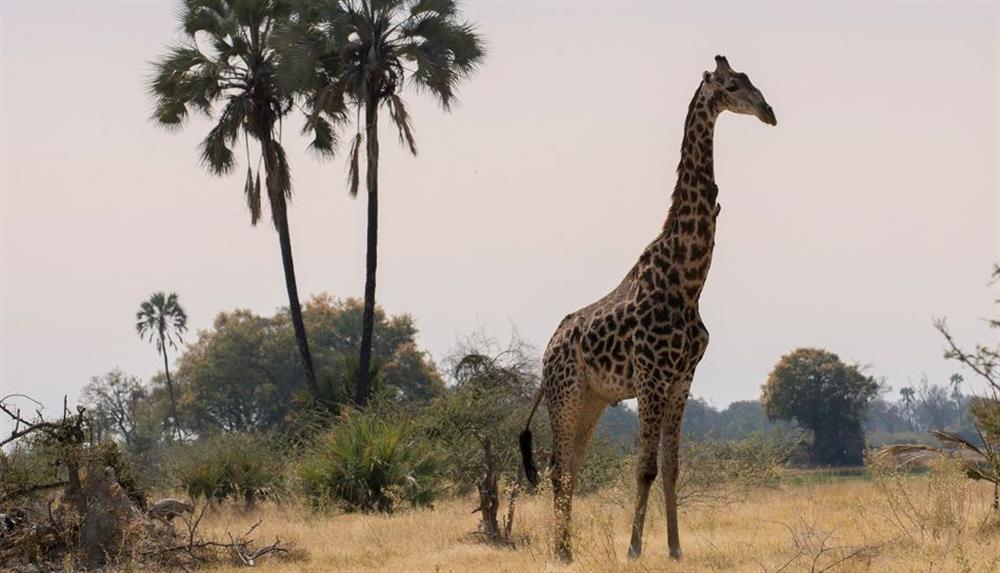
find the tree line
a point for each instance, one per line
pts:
(243, 375)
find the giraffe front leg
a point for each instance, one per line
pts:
(651, 410)
(669, 451)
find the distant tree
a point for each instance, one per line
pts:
(620, 424)
(113, 400)
(161, 320)
(933, 409)
(886, 416)
(744, 418)
(740, 420)
(956, 381)
(701, 420)
(356, 56)
(227, 69)
(243, 373)
(821, 393)
(908, 394)
(236, 377)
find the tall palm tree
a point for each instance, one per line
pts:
(353, 57)
(161, 320)
(226, 68)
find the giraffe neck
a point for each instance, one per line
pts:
(689, 232)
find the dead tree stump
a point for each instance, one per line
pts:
(489, 498)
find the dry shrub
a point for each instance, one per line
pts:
(711, 474)
(934, 508)
(714, 473)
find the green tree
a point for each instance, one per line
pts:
(821, 393)
(162, 320)
(355, 56)
(242, 374)
(226, 68)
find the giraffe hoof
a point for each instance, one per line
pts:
(634, 552)
(676, 554)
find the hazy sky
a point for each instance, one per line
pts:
(871, 208)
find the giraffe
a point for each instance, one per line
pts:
(644, 339)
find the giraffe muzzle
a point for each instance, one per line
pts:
(767, 115)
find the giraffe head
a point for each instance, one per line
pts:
(734, 92)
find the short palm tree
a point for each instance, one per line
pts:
(227, 69)
(161, 320)
(353, 57)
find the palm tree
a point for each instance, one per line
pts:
(161, 320)
(226, 68)
(355, 56)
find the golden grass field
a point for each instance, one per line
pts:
(937, 523)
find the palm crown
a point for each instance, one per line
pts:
(161, 320)
(344, 54)
(226, 67)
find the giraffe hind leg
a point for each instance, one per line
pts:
(566, 409)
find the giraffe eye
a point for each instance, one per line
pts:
(732, 87)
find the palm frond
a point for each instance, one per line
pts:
(252, 191)
(909, 453)
(204, 16)
(952, 438)
(324, 139)
(353, 175)
(441, 7)
(216, 153)
(384, 6)
(171, 85)
(400, 117)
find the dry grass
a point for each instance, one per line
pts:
(845, 526)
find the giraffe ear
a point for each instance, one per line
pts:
(707, 77)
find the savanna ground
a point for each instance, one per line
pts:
(929, 522)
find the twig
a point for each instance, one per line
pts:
(27, 490)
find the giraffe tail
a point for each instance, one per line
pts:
(527, 459)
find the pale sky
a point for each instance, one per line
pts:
(870, 209)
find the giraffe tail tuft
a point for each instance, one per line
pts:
(530, 471)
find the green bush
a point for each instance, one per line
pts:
(245, 467)
(365, 463)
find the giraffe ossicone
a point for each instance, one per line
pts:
(644, 339)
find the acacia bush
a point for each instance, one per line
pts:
(370, 461)
(247, 467)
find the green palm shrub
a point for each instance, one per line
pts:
(369, 464)
(247, 467)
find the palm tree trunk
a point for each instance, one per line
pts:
(363, 388)
(279, 211)
(170, 386)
